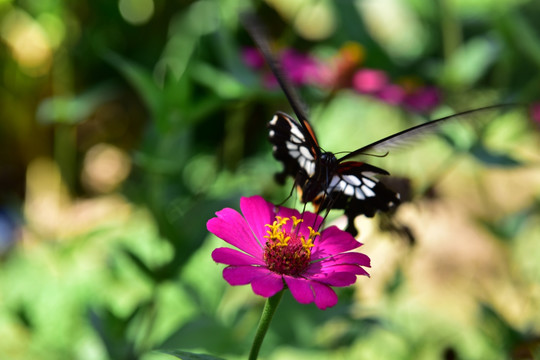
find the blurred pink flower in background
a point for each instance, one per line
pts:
(369, 81)
(252, 58)
(423, 100)
(340, 71)
(300, 68)
(392, 94)
(534, 111)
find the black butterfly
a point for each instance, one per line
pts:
(323, 179)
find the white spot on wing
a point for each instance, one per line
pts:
(272, 133)
(335, 180)
(348, 190)
(367, 191)
(274, 120)
(370, 183)
(310, 168)
(296, 132)
(359, 194)
(351, 179)
(305, 151)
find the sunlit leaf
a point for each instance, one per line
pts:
(139, 78)
(469, 62)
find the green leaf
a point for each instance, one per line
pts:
(205, 332)
(138, 261)
(522, 35)
(469, 63)
(491, 158)
(140, 79)
(73, 109)
(510, 226)
(184, 355)
(220, 82)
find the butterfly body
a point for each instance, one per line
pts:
(323, 179)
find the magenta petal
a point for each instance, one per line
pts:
(311, 220)
(300, 289)
(347, 258)
(335, 278)
(258, 213)
(350, 268)
(268, 285)
(230, 226)
(230, 256)
(242, 275)
(334, 241)
(325, 297)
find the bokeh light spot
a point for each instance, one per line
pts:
(27, 41)
(54, 27)
(315, 22)
(136, 12)
(105, 167)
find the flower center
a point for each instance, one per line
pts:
(288, 252)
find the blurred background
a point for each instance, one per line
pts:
(126, 124)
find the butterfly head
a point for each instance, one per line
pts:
(328, 161)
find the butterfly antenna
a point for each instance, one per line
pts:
(258, 33)
(363, 154)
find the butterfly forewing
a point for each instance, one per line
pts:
(290, 146)
(410, 135)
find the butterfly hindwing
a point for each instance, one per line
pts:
(354, 189)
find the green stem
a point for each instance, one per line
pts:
(266, 317)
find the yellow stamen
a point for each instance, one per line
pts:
(296, 221)
(313, 233)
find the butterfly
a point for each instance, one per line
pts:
(323, 179)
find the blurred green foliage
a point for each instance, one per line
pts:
(105, 253)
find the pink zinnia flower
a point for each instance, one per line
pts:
(282, 247)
